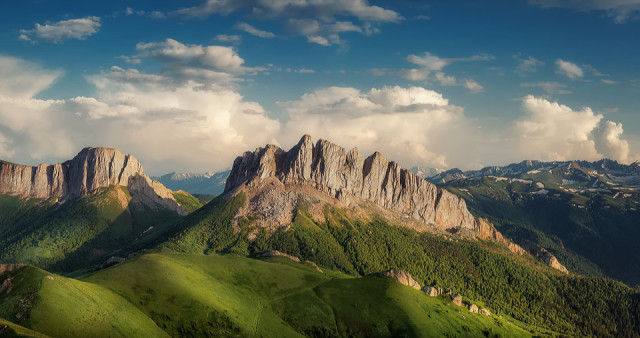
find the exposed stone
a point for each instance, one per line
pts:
(457, 299)
(432, 291)
(272, 253)
(473, 308)
(86, 173)
(544, 255)
(485, 312)
(403, 277)
(346, 174)
(10, 267)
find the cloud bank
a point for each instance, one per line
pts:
(62, 30)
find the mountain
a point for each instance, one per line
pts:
(314, 241)
(584, 213)
(607, 171)
(425, 172)
(85, 174)
(209, 183)
(81, 212)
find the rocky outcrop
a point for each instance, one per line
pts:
(544, 255)
(457, 299)
(272, 253)
(10, 267)
(345, 175)
(403, 277)
(473, 308)
(86, 173)
(485, 312)
(432, 291)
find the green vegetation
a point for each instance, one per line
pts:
(167, 293)
(590, 233)
(483, 272)
(62, 307)
(79, 233)
(187, 201)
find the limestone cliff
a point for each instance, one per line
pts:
(86, 173)
(346, 175)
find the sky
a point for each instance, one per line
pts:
(189, 85)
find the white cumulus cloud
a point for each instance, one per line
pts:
(568, 69)
(62, 30)
(243, 26)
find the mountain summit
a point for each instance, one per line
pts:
(277, 180)
(85, 174)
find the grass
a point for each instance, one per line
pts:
(63, 307)
(187, 201)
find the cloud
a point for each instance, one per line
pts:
(228, 38)
(431, 66)
(62, 30)
(243, 26)
(182, 126)
(410, 125)
(472, 85)
(607, 81)
(549, 87)
(320, 21)
(568, 69)
(21, 79)
(619, 10)
(608, 141)
(551, 131)
(206, 66)
(322, 9)
(528, 65)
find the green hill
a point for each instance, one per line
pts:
(80, 233)
(211, 295)
(486, 273)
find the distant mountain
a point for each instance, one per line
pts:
(426, 172)
(607, 171)
(210, 183)
(585, 213)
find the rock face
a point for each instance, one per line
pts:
(403, 277)
(544, 255)
(432, 291)
(485, 312)
(86, 173)
(457, 299)
(346, 174)
(473, 308)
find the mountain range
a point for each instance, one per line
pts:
(316, 240)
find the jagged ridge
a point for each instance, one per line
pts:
(329, 168)
(86, 173)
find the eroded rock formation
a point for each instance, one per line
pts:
(403, 277)
(86, 173)
(343, 174)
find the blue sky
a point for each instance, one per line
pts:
(189, 85)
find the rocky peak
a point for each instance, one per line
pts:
(86, 173)
(345, 175)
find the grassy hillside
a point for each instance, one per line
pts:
(63, 307)
(167, 293)
(590, 233)
(517, 286)
(230, 295)
(79, 233)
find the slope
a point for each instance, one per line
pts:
(63, 307)
(229, 295)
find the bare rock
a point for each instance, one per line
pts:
(272, 253)
(403, 277)
(473, 308)
(544, 255)
(432, 291)
(10, 267)
(485, 312)
(457, 299)
(343, 174)
(85, 174)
